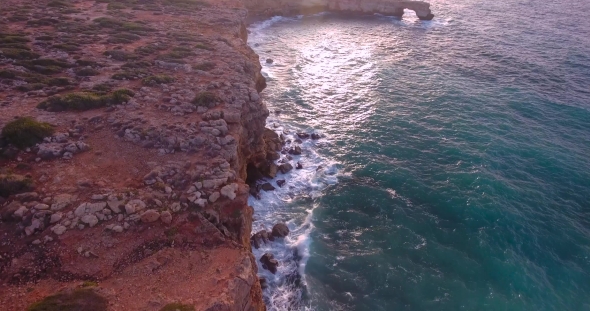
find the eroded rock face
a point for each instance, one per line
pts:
(294, 7)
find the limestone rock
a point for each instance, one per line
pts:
(89, 219)
(229, 191)
(214, 197)
(55, 217)
(166, 217)
(61, 201)
(59, 229)
(134, 206)
(150, 216)
(20, 212)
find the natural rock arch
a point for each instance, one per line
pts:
(295, 7)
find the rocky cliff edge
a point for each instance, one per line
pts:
(127, 130)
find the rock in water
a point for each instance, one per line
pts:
(280, 230)
(295, 150)
(269, 61)
(269, 263)
(285, 168)
(267, 187)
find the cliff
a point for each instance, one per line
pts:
(124, 188)
(297, 7)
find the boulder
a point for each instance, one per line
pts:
(280, 230)
(269, 263)
(166, 217)
(280, 182)
(315, 136)
(285, 168)
(214, 197)
(296, 150)
(150, 216)
(299, 166)
(90, 219)
(8, 211)
(229, 191)
(268, 187)
(259, 238)
(303, 135)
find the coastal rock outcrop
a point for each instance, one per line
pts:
(297, 7)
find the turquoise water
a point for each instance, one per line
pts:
(454, 168)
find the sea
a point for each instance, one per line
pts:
(452, 170)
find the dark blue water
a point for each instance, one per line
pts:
(454, 171)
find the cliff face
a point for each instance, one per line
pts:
(295, 7)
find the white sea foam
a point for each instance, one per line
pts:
(292, 204)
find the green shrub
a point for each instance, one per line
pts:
(159, 79)
(115, 6)
(149, 49)
(106, 22)
(44, 38)
(31, 87)
(123, 38)
(87, 72)
(58, 4)
(177, 307)
(25, 132)
(103, 87)
(67, 47)
(13, 38)
(203, 46)
(20, 46)
(206, 99)
(206, 66)
(129, 75)
(13, 184)
(45, 65)
(86, 63)
(120, 55)
(73, 300)
(85, 101)
(42, 22)
(8, 74)
(18, 54)
(186, 4)
(139, 64)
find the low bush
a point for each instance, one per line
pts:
(120, 55)
(159, 79)
(58, 4)
(123, 38)
(18, 54)
(177, 307)
(87, 72)
(85, 101)
(206, 66)
(25, 132)
(13, 184)
(139, 64)
(73, 300)
(206, 99)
